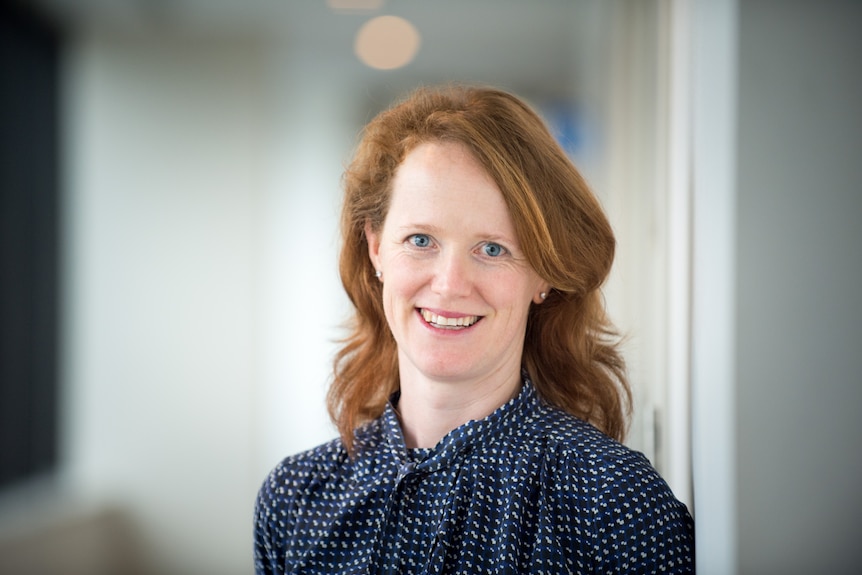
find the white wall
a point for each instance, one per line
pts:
(799, 268)
(776, 347)
(301, 302)
(713, 45)
(203, 299)
(164, 143)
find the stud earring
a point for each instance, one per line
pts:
(378, 274)
(543, 295)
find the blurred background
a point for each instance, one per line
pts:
(170, 193)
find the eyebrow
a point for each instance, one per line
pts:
(421, 227)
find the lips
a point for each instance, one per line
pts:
(443, 322)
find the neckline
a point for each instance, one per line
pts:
(460, 440)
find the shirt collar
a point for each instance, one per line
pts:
(463, 438)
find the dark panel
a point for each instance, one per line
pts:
(29, 58)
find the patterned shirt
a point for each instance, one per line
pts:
(528, 489)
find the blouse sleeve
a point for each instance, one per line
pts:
(632, 521)
(639, 520)
(269, 537)
(280, 499)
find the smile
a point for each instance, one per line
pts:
(448, 322)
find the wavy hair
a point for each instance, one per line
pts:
(571, 349)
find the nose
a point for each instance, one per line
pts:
(452, 276)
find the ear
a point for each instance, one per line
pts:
(543, 290)
(373, 240)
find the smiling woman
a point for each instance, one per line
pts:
(543, 209)
(480, 395)
(457, 291)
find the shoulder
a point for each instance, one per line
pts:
(632, 510)
(600, 464)
(315, 468)
(279, 497)
(307, 478)
(287, 483)
(572, 438)
(299, 470)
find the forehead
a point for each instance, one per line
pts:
(440, 188)
(445, 174)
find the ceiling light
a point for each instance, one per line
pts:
(387, 42)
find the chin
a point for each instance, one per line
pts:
(448, 372)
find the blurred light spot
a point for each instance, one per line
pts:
(354, 5)
(387, 42)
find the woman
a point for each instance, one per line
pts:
(480, 395)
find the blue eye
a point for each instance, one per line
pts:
(493, 250)
(420, 240)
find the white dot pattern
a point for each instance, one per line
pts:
(529, 489)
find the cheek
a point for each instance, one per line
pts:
(405, 274)
(400, 285)
(515, 294)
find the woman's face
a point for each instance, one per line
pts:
(456, 285)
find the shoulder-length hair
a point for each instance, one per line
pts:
(570, 351)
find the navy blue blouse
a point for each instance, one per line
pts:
(528, 489)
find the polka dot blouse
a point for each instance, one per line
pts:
(529, 489)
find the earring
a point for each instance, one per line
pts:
(378, 274)
(543, 295)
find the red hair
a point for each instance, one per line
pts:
(570, 350)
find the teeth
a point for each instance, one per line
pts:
(465, 321)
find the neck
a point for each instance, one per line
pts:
(429, 409)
